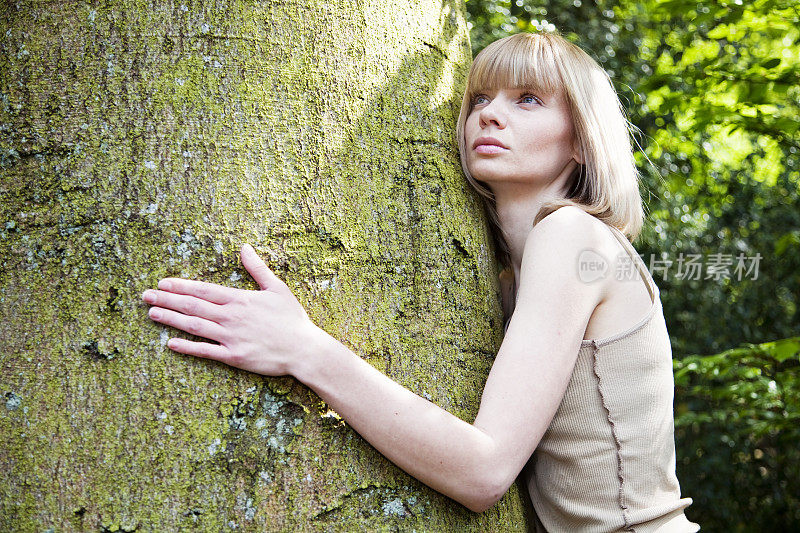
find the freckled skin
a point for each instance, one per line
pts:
(536, 130)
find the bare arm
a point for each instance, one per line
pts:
(471, 463)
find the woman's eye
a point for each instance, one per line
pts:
(480, 100)
(529, 99)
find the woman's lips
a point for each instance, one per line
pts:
(488, 145)
(489, 149)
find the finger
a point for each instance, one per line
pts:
(188, 305)
(211, 292)
(190, 324)
(199, 349)
(257, 268)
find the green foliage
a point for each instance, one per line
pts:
(737, 415)
(713, 87)
(721, 113)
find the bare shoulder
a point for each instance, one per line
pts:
(557, 247)
(578, 232)
(570, 227)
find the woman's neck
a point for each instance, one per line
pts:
(517, 206)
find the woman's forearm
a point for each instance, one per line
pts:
(441, 450)
(269, 332)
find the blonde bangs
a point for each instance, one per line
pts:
(516, 64)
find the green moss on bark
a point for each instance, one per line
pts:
(147, 140)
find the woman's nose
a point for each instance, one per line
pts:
(493, 115)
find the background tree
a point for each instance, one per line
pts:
(714, 88)
(142, 141)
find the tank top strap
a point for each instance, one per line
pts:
(652, 288)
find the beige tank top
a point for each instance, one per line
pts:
(607, 461)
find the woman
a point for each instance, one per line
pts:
(583, 376)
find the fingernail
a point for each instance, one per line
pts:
(165, 285)
(149, 296)
(247, 247)
(155, 313)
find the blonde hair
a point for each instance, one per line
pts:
(606, 185)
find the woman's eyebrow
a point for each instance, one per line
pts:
(533, 89)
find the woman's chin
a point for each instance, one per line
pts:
(483, 172)
(488, 178)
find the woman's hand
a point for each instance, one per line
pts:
(262, 331)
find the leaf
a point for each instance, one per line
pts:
(771, 63)
(719, 32)
(783, 349)
(788, 240)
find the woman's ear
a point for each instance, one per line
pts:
(577, 152)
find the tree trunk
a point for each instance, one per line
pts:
(144, 140)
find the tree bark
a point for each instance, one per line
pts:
(144, 140)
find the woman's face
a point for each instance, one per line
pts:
(516, 136)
